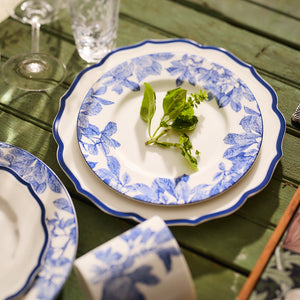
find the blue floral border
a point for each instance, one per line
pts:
(61, 222)
(198, 218)
(221, 83)
(44, 237)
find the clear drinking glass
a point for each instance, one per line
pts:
(34, 71)
(94, 24)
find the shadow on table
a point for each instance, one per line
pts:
(37, 107)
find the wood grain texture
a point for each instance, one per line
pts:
(263, 19)
(188, 23)
(288, 7)
(220, 253)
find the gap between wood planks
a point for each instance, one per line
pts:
(218, 15)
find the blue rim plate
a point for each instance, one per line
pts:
(61, 220)
(24, 236)
(87, 183)
(112, 136)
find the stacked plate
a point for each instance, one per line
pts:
(38, 232)
(101, 137)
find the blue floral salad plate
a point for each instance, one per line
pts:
(23, 234)
(112, 135)
(86, 101)
(52, 212)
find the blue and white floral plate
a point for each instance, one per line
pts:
(60, 220)
(23, 234)
(112, 135)
(86, 181)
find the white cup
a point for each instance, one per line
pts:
(94, 24)
(145, 262)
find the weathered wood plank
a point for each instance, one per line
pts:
(289, 7)
(213, 281)
(257, 18)
(233, 240)
(33, 139)
(288, 97)
(291, 146)
(273, 199)
(39, 108)
(254, 49)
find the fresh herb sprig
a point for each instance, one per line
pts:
(178, 115)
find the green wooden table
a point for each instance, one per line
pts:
(264, 33)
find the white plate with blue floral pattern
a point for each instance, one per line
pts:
(23, 234)
(112, 136)
(60, 221)
(87, 183)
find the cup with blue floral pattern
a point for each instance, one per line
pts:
(145, 262)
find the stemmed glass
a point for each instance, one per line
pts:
(34, 71)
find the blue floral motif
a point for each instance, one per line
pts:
(149, 65)
(92, 105)
(217, 80)
(118, 78)
(187, 67)
(241, 153)
(112, 177)
(144, 66)
(165, 191)
(226, 87)
(223, 86)
(99, 140)
(117, 270)
(31, 170)
(61, 224)
(64, 230)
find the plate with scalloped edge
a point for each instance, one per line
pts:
(112, 135)
(60, 220)
(87, 183)
(24, 236)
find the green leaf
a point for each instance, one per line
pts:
(186, 121)
(149, 104)
(174, 102)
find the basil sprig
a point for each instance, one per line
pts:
(178, 115)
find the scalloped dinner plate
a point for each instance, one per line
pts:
(112, 135)
(112, 202)
(59, 220)
(23, 234)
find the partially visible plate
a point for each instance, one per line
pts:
(112, 136)
(87, 183)
(23, 234)
(60, 217)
